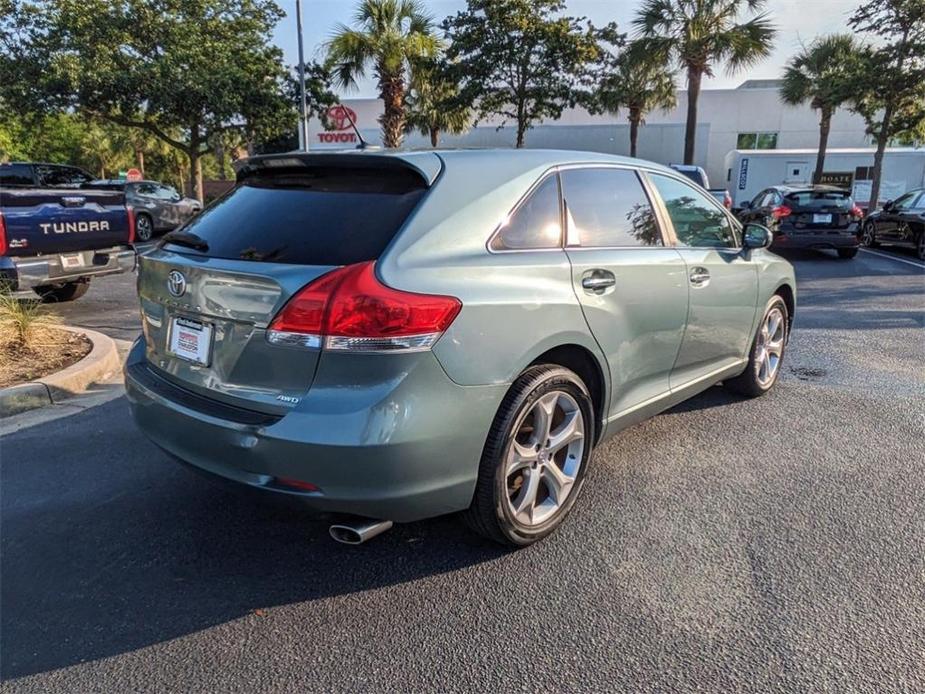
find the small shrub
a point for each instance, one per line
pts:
(24, 322)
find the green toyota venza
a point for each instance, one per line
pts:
(394, 336)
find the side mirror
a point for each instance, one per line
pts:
(757, 236)
(888, 205)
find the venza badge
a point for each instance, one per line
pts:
(176, 283)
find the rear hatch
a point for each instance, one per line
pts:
(817, 210)
(45, 221)
(210, 291)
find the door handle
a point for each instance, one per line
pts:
(700, 276)
(598, 280)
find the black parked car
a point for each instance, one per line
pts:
(900, 222)
(158, 208)
(19, 174)
(807, 217)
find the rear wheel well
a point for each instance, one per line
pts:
(785, 292)
(582, 362)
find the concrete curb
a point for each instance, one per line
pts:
(102, 362)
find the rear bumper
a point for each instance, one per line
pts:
(26, 272)
(407, 450)
(842, 238)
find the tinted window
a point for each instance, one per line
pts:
(146, 189)
(609, 207)
(16, 175)
(536, 223)
(166, 192)
(310, 217)
(61, 176)
(698, 220)
(906, 202)
(817, 199)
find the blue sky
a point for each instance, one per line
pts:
(798, 21)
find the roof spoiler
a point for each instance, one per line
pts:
(348, 160)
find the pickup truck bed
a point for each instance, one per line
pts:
(54, 241)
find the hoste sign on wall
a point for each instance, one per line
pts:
(839, 179)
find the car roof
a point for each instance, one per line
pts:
(497, 163)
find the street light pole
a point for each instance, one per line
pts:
(303, 111)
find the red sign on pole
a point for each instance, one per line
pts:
(133, 175)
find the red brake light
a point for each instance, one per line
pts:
(857, 212)
(131, 224)
(727, 201)
(781, 211)
(2, 235)
(350, 309)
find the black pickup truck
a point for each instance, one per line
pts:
(54, 241)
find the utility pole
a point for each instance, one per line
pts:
(303, 111)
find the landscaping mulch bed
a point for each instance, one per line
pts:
(50, 350)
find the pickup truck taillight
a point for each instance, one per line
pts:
(131, 224)
(2, 235)
(350, 309)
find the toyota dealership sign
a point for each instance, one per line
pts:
(339, 130)
(334, 131)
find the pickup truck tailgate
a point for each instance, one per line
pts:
(46, 221)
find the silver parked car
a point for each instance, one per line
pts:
(158, 207)
(401, 335)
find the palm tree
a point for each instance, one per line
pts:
(389, 35)
(641, 82)
(434, 104)
(820, 75)
(698, 34)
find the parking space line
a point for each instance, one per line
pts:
(913, 263)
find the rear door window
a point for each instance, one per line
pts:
(55, 176)
(316, 216)
(16, 175)
(608, 207)
(536, 223)
(698, 220)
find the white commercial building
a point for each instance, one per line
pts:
(748, 117)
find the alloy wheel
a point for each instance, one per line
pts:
(143, 228)
(770, 347)
(867, 238)
(543, 458)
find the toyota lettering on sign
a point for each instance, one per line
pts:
(339, 128)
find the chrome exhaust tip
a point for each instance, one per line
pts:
(359, 531)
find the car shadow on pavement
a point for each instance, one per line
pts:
(108, 547)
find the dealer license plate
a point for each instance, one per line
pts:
(71, 261)
(822, 219)
(190, 340)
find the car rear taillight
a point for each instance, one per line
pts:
(350, 309)
(727, 201)
(131, 224)
(857, 212)
(781, 211)
(3, 245)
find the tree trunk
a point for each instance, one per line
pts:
(694, 76)
(434, 137)
(635, 117)
(195, 173)
(392, 92)
(825, 124)
(882, 140)
(140, 159)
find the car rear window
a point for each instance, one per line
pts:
(309, 216)
(819, 199)
(15, 175)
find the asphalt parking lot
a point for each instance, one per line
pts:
(773, 544)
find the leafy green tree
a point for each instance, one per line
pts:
(640, 82)
(698, 34)
(821, 74)
(434, 102)
(890, 76)
(181, 70)
(521, 60)
(389, 35)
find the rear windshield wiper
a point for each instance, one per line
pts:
(186, 238)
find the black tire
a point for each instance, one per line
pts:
(869, 236)
(748, 382)
(489, 514)
(847, 253)
(58, 293)
(144, 227)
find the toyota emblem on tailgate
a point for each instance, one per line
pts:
(176, 283)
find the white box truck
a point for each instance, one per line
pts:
(749, 171)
